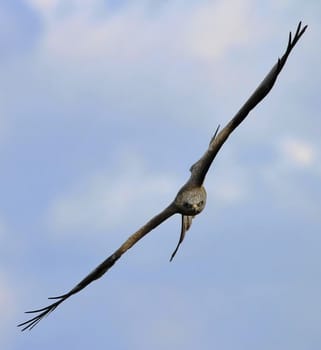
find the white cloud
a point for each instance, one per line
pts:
(228, 192)
(300, 153)
(216, 27)
(44, 7)
(293, 177)
(108, 198)
(87, 30)
(230, 181)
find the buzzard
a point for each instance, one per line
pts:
(190, 199)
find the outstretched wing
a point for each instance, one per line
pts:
(200, 168)
(186, 224)
(100, 269)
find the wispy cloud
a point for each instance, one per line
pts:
(298, 152)
(108, 198)
(205, 31)
(293, 177)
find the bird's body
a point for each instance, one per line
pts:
(189, 201)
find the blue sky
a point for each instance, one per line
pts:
(104, 105)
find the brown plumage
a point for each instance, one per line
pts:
(191, 198)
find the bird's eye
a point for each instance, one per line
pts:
(200, 204)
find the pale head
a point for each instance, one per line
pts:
(190, 201)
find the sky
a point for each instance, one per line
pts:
(104, 106)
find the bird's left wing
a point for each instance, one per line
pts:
(200, 168)
(101, 269)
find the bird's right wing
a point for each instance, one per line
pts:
(200, 168)
(101, 269)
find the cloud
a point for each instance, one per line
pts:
(209, 21)
(230, 184)
(85, 30)
(298, 152)
(228, 192)
(44, 7)
(105, 199)
(293, 177)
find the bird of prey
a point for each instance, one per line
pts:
(190, 199)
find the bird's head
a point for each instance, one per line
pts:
(190, 201)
